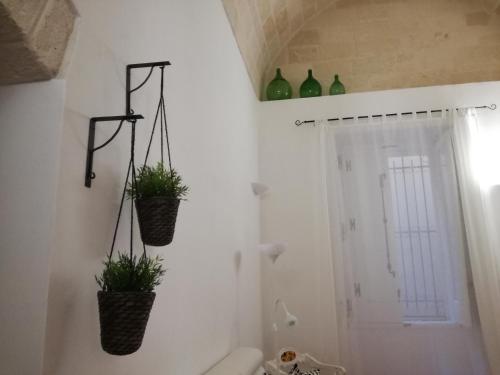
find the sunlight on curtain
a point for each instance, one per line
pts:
(484, 149)
(398, 248)
(477, 149)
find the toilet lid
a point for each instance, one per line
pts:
(260, 371)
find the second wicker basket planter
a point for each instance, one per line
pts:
(157, 217)
(123, 317)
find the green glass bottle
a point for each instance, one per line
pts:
(337, 88)
(310, 87)
(279, 88)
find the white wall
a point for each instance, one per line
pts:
(209, 302)
(290, 212)
(30, 127)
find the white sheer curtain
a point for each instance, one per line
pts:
(477, 149)
(398, 251)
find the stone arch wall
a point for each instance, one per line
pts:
(372, 44)
(264, 27)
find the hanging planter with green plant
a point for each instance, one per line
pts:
(127, 284)
(125, 300)
(158, 189)
(157, 196)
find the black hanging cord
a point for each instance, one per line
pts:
(133, 182)
(166, 134)
(134, 187)
(161, 115)
(120, 210)
(152, 133)
(162, 104)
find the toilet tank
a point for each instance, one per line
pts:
(242, 361)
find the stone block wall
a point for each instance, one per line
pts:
(33, 38)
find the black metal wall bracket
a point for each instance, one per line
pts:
(89, 174)
(129, 117)
(129, 90)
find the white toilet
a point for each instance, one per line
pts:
(242, 361)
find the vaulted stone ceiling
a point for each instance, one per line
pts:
(264, 27)
(372, 44)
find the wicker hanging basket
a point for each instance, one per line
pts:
(123, 317)
(157, 217)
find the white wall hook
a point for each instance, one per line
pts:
(272, 250)
(259, 188)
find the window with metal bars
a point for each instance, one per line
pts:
(422, 290)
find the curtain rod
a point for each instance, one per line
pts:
(299, 123)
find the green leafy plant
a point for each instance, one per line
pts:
(157, 182)
(131, 274)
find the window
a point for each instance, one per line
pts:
(422, 291)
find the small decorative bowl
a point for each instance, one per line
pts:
(288, 356)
